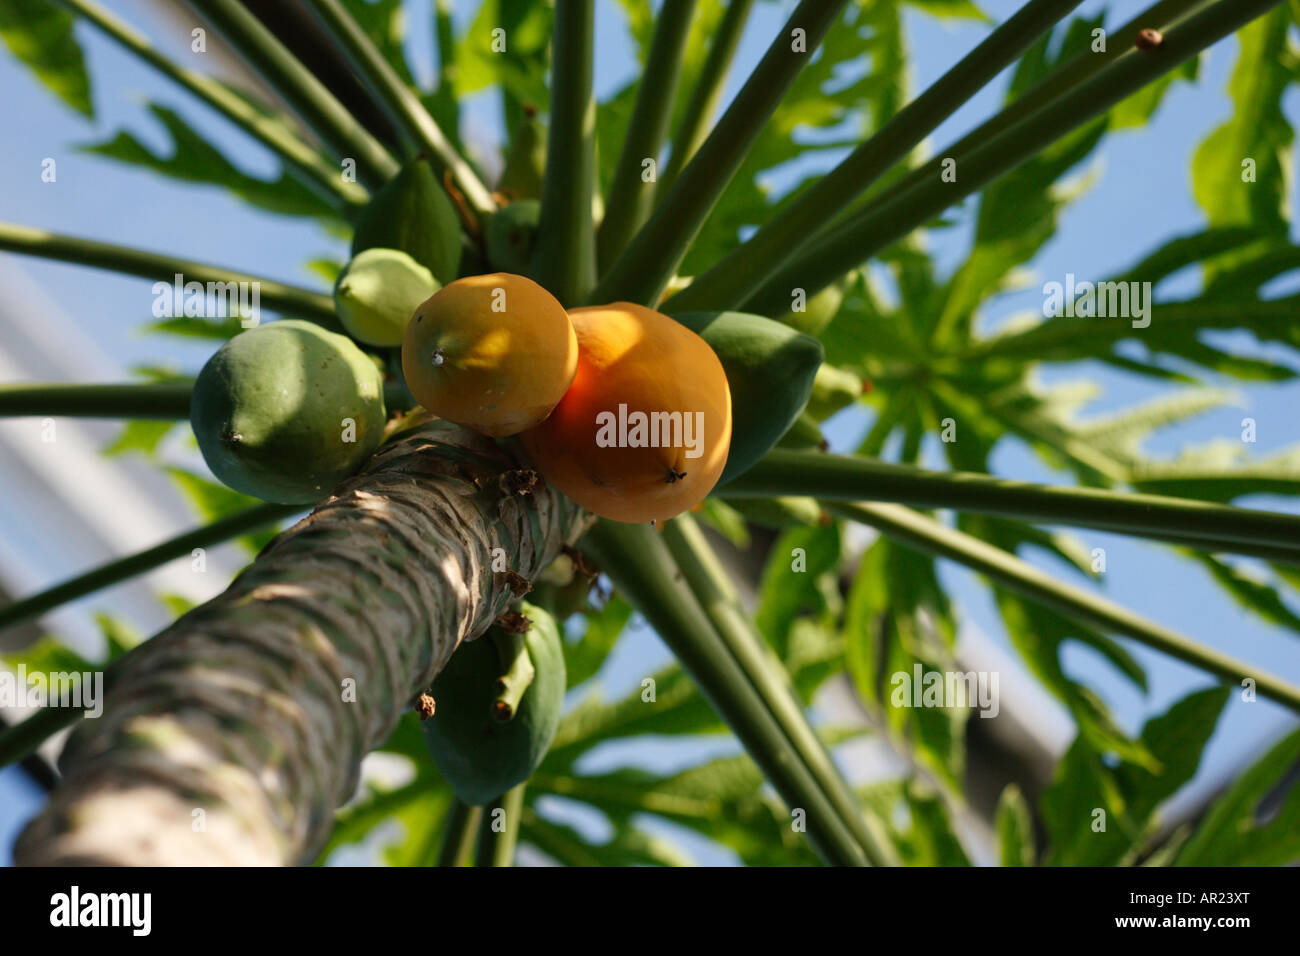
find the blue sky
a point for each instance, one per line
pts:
(1140, 197)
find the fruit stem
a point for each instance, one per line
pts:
(638, 562)
(1182, 520)
(702, 104)
(642, 272)
(302, 303)
(155, 401)
(120, 570)
(564, 257)
(728, 281)
(713, 589)
(981, 158)
(401, 105)
(306, 95)
(924, 534)
(630, 194)
(496, 847)
(458, 829)
(511, 686)
(277, 136)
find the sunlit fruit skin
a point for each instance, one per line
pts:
(494, 353)
(376, 291)
(634, 357)
(286, 411)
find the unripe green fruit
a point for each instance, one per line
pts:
(521, 178)
(286, 411)
(804, 435)
(770, 369)
(413, 213)
(481, 757)
(377, 292)
(833, 389)
(509, 236)
(820, 309)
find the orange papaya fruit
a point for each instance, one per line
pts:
(644, 431)
(494, 353)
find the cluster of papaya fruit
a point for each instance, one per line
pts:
(634, 414)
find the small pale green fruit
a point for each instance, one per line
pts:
(377, 292)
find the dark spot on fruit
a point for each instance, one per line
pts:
(674, 476)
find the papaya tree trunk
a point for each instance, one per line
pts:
(232, 736)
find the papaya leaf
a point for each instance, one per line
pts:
(218, 330)
(1257, 822)
(213, 501)
(1136, 110)
(927, 837)
(1257, 133)
(898, 624)
(139, 437)
(1187, 250)
(1014, 825)
(47, 655)
(934, 840)
(194, 159)
(1098, 816)
(1038, 634)
(519, 68)
(820, 99)
(722, 799)
(1220, 471)
(951, 9)
(1250, 593)
(799, 580)
(612, 117)
(678, 708)
(565, 845)
(725, 520)
(1121, 434)
(41, 35)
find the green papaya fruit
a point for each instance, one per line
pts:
(820, 309)
(779, 513)
(480, 756)
(525, 166)
(376, 293)
(509, 236)
(413, 213)
(805, 433)
(285, 411)
(770, 369)
(833, 389)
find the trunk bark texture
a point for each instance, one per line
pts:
(257, 707)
